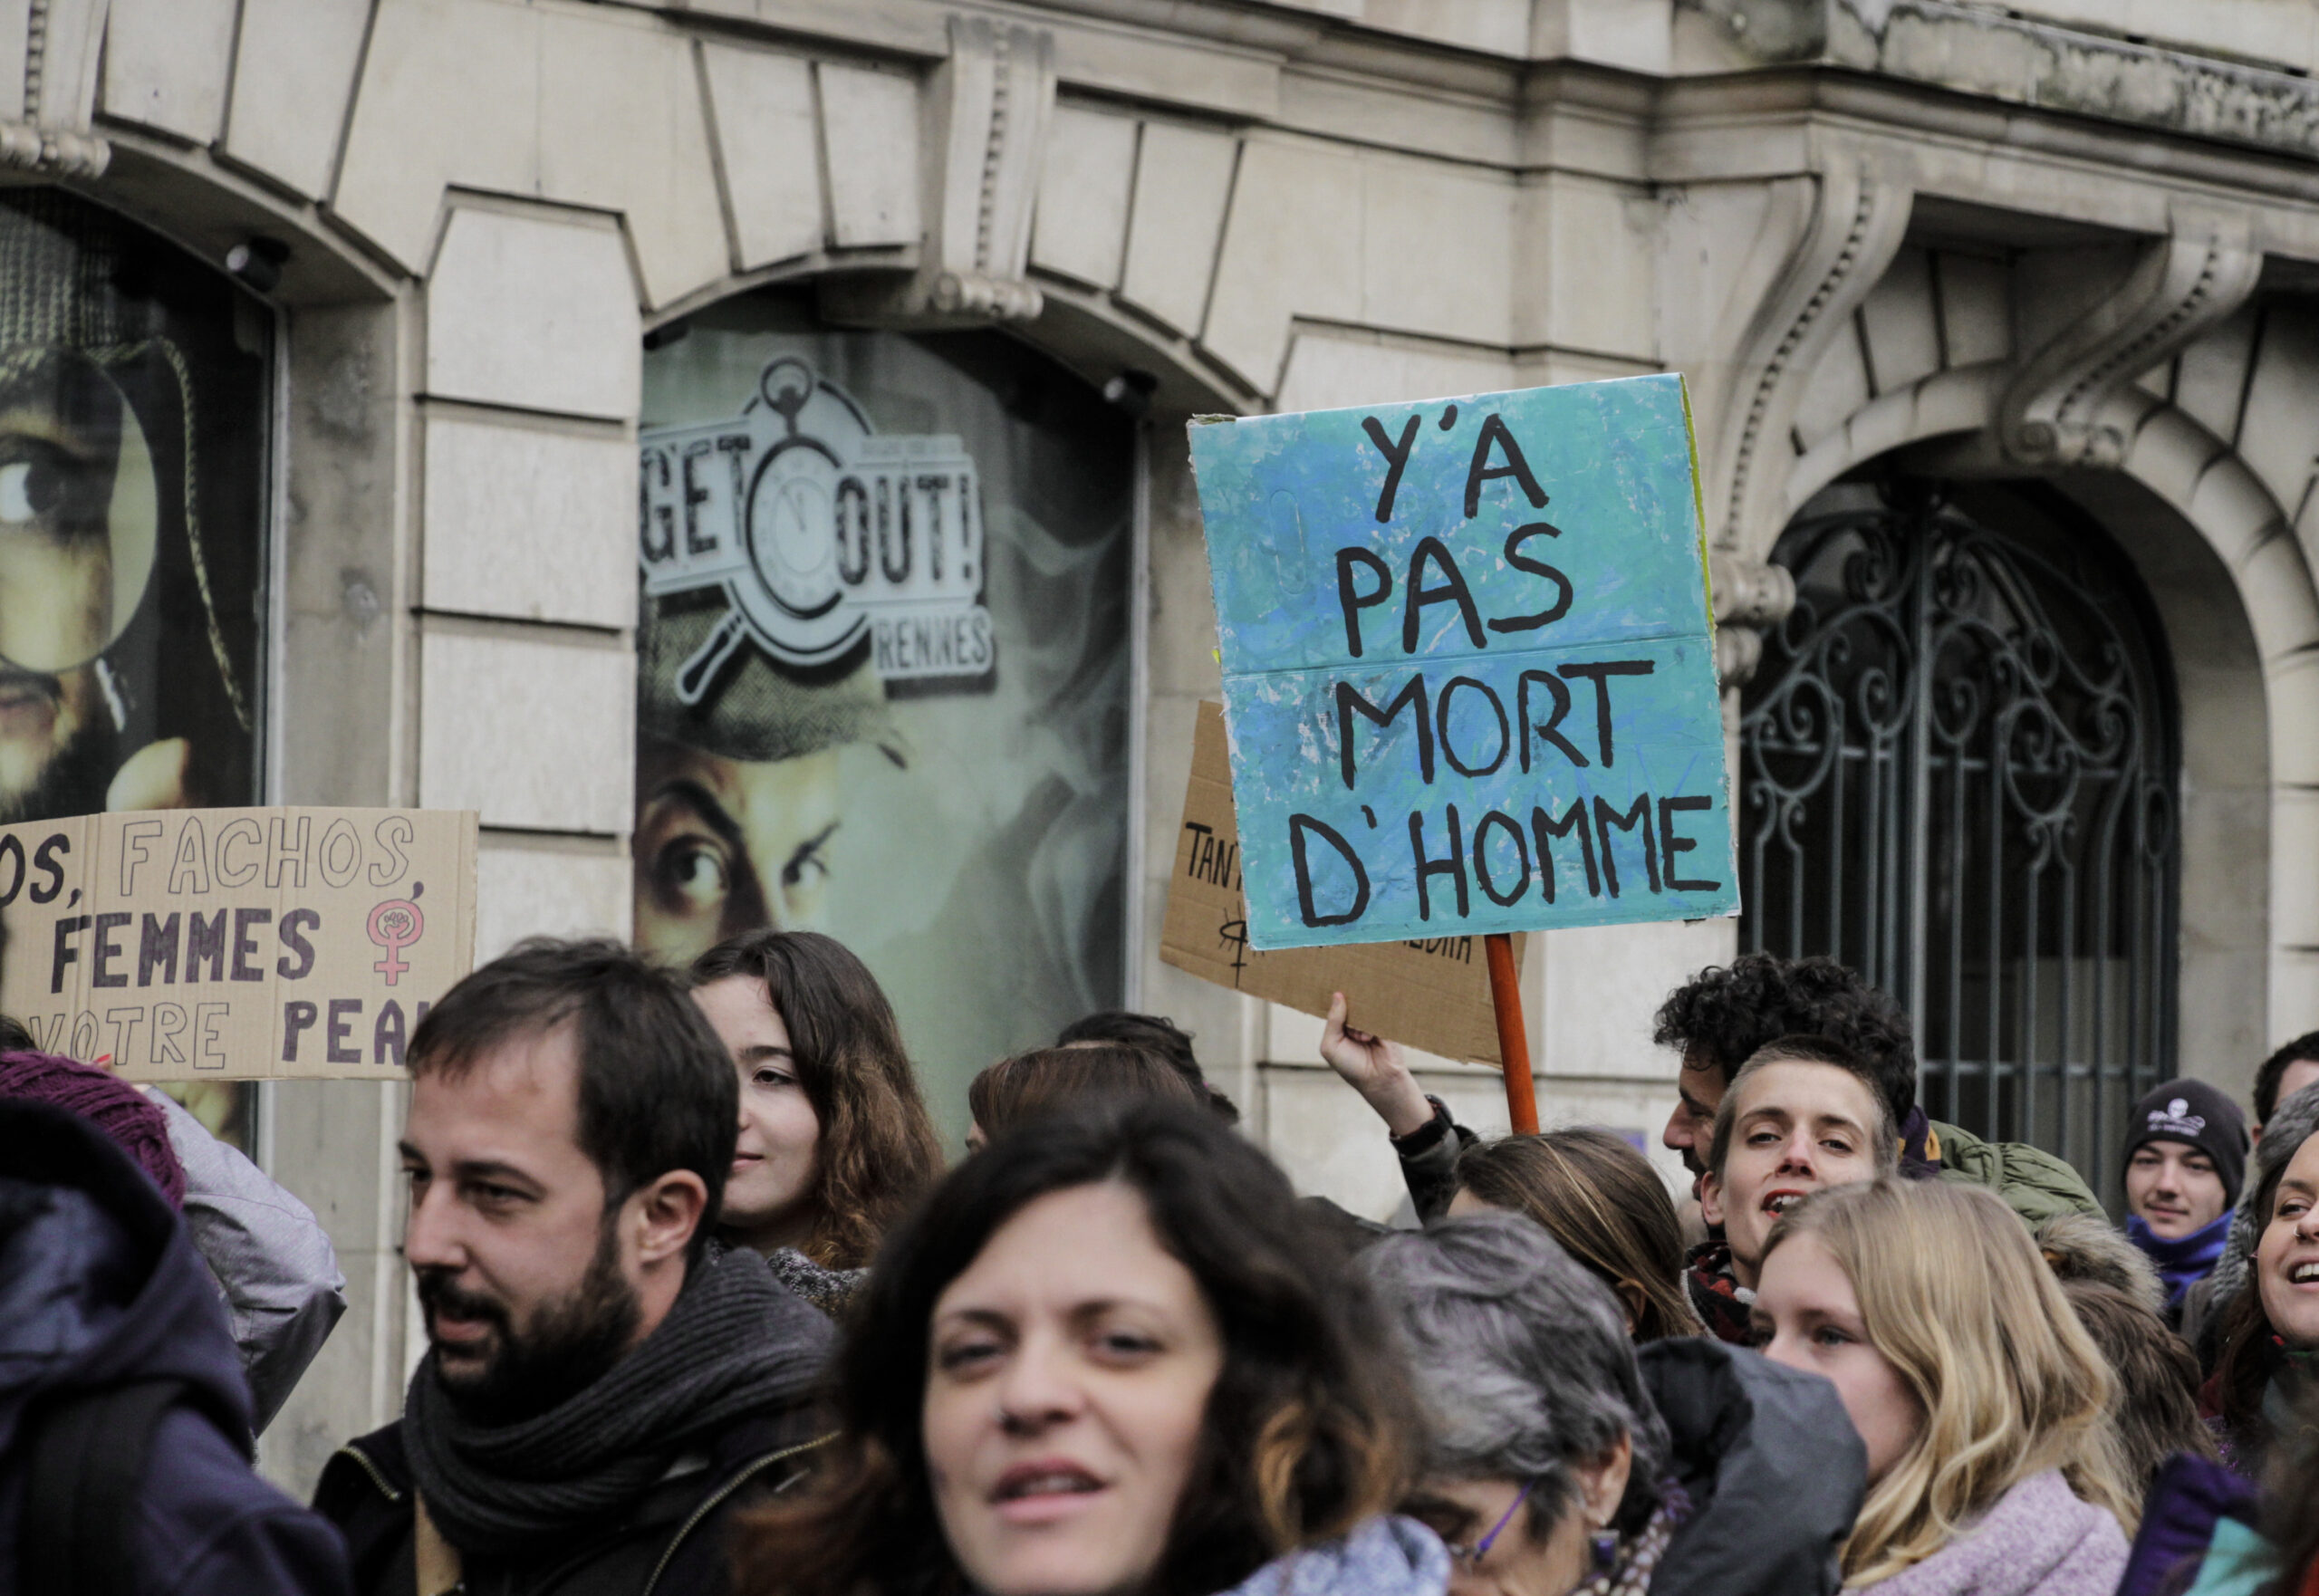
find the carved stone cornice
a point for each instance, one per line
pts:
(1858, 220)
(45, 116)
(2051, 412)
(987, 111)
(1751, 597)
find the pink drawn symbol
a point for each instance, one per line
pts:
(395, 925)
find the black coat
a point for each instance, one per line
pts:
(1773, 1468)
(99, 1284)
(672, 1544)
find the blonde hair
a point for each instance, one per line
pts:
(1955, 1297)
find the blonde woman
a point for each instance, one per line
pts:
(1992, 1468)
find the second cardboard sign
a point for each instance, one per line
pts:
(1432, 994)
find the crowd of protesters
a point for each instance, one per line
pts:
(705, 1312)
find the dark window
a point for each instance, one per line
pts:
(883, 665)
(136, 401)
(1957, 772)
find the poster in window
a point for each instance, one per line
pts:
(883, 667)
(134, 416)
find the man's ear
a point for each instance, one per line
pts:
(1711, 1197)
(666, 1213)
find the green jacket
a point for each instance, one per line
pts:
(2034, 1183)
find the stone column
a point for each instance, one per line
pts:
(527, 583)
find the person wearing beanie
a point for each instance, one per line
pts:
(135, 1122)
(2185, 1156)
(269, 1257)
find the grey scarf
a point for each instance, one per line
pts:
(830, 1290)
(2291, 1123)
(733, 1345)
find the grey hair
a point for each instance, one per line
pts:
(1521, 1360)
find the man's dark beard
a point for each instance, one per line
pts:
(573, 1345)
(74, 779)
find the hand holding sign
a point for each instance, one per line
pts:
(1468, 663)
(1432, 993)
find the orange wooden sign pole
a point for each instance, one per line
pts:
(1513, 1036)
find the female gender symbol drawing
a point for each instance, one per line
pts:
(394, 926)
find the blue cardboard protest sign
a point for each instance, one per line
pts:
(1469, 664)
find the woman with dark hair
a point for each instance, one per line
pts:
(2270, 1325)
(835, 1141)
(1106, 1355)
(1047, 1079)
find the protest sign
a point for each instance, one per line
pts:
(1469, 664)
(235, 944)
(1432, 993)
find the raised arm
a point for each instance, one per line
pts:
(1424, 1136)
(1374, 1068)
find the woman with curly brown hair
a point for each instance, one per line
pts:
(1108, 1354)
(835, 1141)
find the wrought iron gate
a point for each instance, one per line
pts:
(1957, 775)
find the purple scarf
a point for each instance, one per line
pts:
(2182, 1263)
(2037, 1540)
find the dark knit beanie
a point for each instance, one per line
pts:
(113, 1105)
(2194, 1112)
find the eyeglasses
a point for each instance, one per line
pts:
(1471, 1556)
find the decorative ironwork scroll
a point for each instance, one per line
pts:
(1959, 761)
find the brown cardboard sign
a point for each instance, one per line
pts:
(235, 944)
(1432, 994)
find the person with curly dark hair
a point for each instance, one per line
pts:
(1723, 1016)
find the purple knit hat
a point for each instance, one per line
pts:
(113, 1105)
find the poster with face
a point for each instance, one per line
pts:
(883, 667)
(134, 408)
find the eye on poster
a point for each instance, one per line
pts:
(1469, 664)
(235, 944)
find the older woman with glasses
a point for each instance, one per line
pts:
(1562, 1461)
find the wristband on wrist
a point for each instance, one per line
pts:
(1427, 1134)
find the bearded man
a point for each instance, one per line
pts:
(603, 1386)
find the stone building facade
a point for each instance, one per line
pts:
(2069, 246)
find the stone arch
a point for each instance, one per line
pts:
(1081, 328)
(2213, 495)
